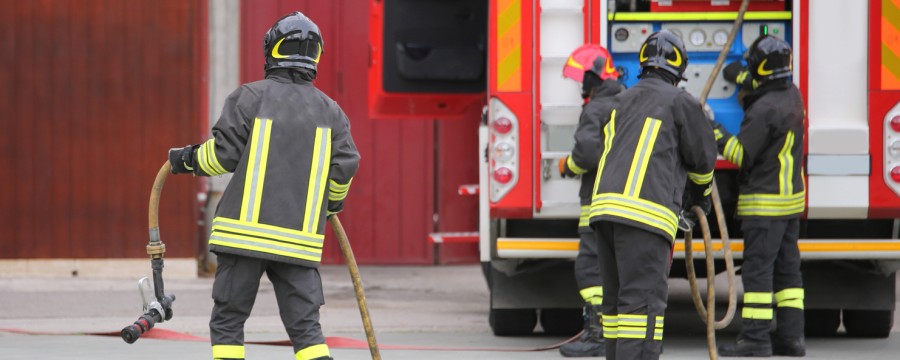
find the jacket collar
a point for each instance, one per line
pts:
(287, 76)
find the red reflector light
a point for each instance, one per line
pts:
(504, 125)
(504, 175)
(895, 174)
(895, 123)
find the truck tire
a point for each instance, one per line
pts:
(822, 322)
(868, 323)
(512, 322)
(562, 322)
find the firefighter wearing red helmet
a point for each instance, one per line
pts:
(655, 139)
(772, 196)
(293, 157)
(592, 66)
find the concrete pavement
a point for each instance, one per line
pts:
(422, 306)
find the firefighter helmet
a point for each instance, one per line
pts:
(294, 41)
(593, 58)
(769, 58)
(664, 50)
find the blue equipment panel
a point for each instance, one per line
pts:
(703, 42)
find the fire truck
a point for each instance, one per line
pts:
(437, 58)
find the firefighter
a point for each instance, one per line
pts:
(656, 139)
(293, 158)
(592, 66)
(771, 199)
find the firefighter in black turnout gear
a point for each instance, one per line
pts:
(655, 140)
(293, 158)
(592, 66)
(772, 196)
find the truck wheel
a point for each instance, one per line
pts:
(868, 323)
(562, 322)
(822, 322)
(512, 322)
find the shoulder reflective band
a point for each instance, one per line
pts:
(699, 16)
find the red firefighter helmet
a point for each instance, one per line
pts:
(593, 58)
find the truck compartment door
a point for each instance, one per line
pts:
(428, 58)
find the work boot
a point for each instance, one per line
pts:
(590, 343)
(747, 348)
(784, 346)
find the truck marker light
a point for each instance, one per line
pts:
(503, 151)
(502, 125)
(895, 174)
(895, 148)
(504, 175)
(895, 123)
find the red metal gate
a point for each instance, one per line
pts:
(92, 94)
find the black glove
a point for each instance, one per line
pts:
(182, 159)
(697, 195)
(334, 207)
(732, 70)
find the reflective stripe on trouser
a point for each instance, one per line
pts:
(223, 352)
(635, 286)
(318, 351)
(587, 266)
(771, 262)
(298, 291)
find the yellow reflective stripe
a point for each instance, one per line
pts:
(338, 192)
(213, 158)
(631, 332)
(734, 151)
(757, 313)
(758, 298)
(701, 179)
(698, 16)
(610, 325)
(574, 167)
(318, 173)
(658, 334)
(264, 247)
(786, 159)
(592, 294)
(632, 326)
(718, 134)
(794, 303)
(585, 219)
(256, 170)
(336, 187)
(771, 204)
(789, 294)
(741, 77)
(642, 155)
(313, 352)
(637, 209)
(791, 297)
(315, 251)
(208, 160)
(267, 231)
(228, 351)
(609, 132)
(658, 328)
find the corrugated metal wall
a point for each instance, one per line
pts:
(410, 170)
(92, 94)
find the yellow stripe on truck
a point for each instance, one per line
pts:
(537, 245)
(509, 45)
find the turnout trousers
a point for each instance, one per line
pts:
(587, 268)
(771, 271)
(298, 291)
(635, 268)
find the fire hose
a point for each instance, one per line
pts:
(707, 313)
(157, 308)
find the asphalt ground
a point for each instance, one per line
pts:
(419, 306)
